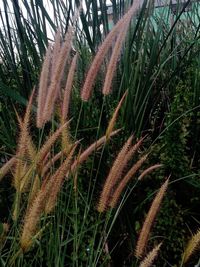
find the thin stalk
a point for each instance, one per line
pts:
(90, 191)
(16, 206)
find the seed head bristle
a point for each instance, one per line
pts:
(149, 170)
(135, 148)
(22, 144)
(192, 246)
(31, 149)
(35, 188)
(43, 87)
(117, 48)
(56, 181)
(113, 61)
(28, 173)
(86, 153)
(103, 50)
(149, 259)
(66, 140)
(68, 88)
(50, 163)
(46, 147)
(114, 117)
(7, 167)
(56, 51)
(32, 218)
(57, 76)
(144, 234)
(114, 176)
(117, 193)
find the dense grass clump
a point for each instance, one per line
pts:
(97, 122)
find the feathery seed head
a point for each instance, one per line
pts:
(68, 88)
(32, 218)
(144, 234)
(57, 76)
(43, 86)
(117, 48)
(22, 144)
(103, 50)
(7, 167)
(56, 50)
(117, 193)
(114, 176)
(114, 117)
(149, 259)
(149, 170)
(192, 246)
(46, 147)
(56, 181)
(85, 154)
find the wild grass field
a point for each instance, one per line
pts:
(99, 140)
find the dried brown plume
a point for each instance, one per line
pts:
(22, 145)
(68, 88)
(56, 78)
(144, 234)
(149, 259)
(43, 86)
(114, 116)
(117, 193)
(103, 50)
(32, 218)
(114, 176)
(8, 166)
(149, 170)
(56, 181)
(86, 153)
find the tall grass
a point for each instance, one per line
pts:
(157, 51)
(62, 208)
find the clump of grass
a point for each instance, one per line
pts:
(32, 167)
(39, 173)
